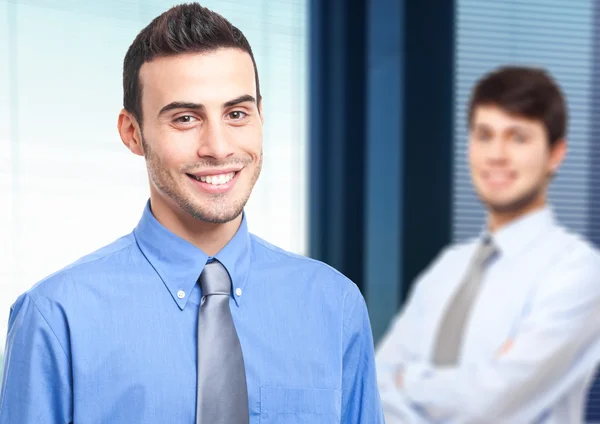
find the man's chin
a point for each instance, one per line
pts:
(221, 216)
(503, 208)
(510, 207)
(218, 219)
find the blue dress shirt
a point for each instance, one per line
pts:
(112, 337)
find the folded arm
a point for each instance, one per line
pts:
(556, 346)
(396, 352)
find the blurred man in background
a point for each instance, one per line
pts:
(190, 318)
(504, 328)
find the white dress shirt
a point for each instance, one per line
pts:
(531, 345)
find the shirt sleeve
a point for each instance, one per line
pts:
(360, 397)
(36, 385)
(557, 345)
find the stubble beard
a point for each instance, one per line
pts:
(514, 206)
(217, 210)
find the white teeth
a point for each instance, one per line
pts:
(217, 179)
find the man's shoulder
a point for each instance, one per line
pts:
(269, 256)
(87, 268)
(574, 250)
(575, 240)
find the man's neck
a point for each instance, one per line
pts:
(208, 237)
(497, 221)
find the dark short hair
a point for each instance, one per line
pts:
(523, 91)
(186, 28)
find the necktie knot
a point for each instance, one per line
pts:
(214, 279)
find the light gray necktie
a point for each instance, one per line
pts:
(451, 330)
(222, 396)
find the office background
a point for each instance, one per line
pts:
(364, 135)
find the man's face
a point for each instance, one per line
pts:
(202, 132)
(510, 159)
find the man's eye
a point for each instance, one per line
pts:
(483, 136)
(237, 115)
(185, 119)
(519, 138)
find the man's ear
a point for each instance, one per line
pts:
(557, 154)
(130, 132)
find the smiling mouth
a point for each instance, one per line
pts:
(216, 180)
(498, 177)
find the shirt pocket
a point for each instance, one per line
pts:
(282, 405)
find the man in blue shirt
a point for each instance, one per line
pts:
(118, 336)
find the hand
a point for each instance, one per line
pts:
(506, 347)
(399, 379)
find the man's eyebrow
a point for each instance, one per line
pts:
(180, 105)
(517, 127)
(241, 99)
(199, 106)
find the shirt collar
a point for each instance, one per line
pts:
(517, 235)
(179, 263)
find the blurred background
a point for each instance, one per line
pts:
(365, 131)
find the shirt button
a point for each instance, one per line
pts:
(238, 292)
(181, 294)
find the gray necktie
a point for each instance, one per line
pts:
(450, 333)
(222, 396)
